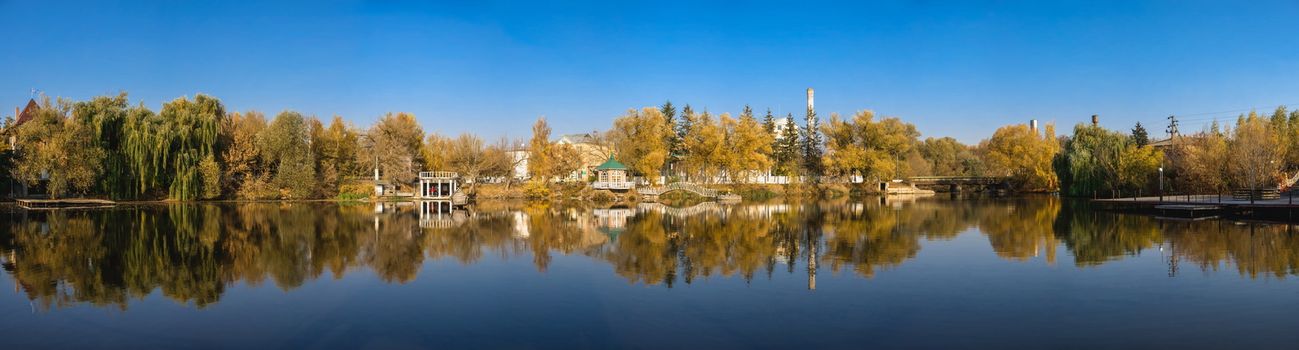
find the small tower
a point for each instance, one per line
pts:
(810, 106)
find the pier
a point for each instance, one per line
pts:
(69, 203)
(1205, 206)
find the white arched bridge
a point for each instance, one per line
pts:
(678, 186)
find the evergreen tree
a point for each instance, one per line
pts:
(812, 143)
(677, 150)
(1139, 135)
(769, 123)
(787, 148)
(670, 137)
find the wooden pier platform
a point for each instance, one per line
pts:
(68, 203)
(1204, 206)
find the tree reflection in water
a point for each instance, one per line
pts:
(191, 252)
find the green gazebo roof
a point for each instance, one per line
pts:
(611, 164)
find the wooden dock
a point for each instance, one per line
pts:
(1189, 211)
(1205, 206)
(68, 203)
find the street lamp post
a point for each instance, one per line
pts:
(1161, 184)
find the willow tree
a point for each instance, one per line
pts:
(167, 149)
(105, 118)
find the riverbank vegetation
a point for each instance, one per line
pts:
(194, 149)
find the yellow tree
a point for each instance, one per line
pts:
(749, 146)
(640, 140)
(873, 150)
(1256, 154)
(705, 147)
(1023, 154)
(539, 162)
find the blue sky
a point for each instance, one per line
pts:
(953, 68)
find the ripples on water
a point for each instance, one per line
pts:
(196, 254)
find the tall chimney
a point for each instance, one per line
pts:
(1032, 125)
(809, 99)
(1095, 120)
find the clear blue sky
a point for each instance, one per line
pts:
(952, 68)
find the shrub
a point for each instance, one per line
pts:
(536, 190)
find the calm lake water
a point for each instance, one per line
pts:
(930, 273)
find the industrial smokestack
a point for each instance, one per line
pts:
(1095, 121)
(809, 100)
(1032, 125)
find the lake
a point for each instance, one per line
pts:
(1032, 273)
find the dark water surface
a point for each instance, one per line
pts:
(930, 273)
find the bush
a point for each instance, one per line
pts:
(355, 191)
(536, 190)
(258, 188)
(603, 196)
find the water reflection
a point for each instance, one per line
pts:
(192, 253)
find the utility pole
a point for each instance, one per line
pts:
(1172, 126)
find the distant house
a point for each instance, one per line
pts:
(589, 149)
(21, 116)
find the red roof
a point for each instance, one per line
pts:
(28, 113)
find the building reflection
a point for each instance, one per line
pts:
(192, 253)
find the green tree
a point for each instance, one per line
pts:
(286, 143)
(787, 149)
(812, 145)
(105, 117)
(166, 149)
(58, 150)
(1139, 136)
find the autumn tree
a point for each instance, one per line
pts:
(1255, 152)
(59, 150)
(286, 143)
(874, 150)
(335, 150)
(435, 152)
(1023, 154)
(396, 140)
(540, 165)
(242, 157)
(639, 140)
(705, 144)
(750, 146)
